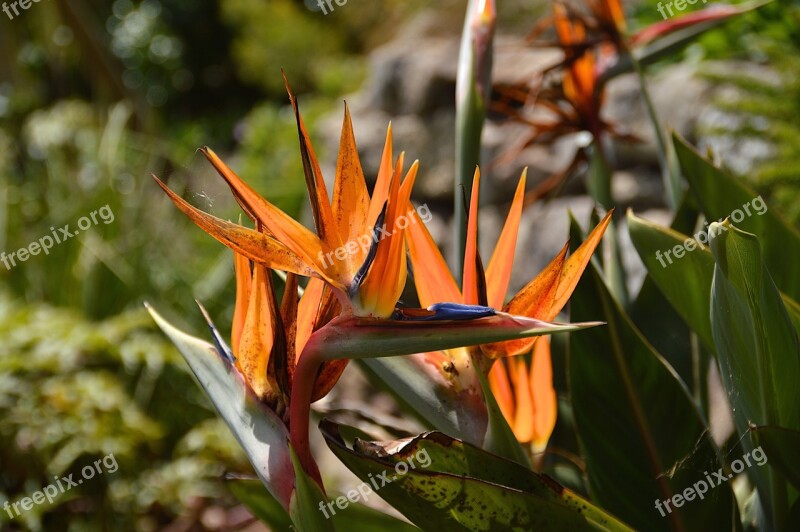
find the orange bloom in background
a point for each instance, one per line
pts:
(581, 75)
(359, 247)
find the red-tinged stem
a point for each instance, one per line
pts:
(305, 374)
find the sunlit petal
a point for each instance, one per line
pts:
(498, 273)
(254, 245)
(351, 200)
(470, 283)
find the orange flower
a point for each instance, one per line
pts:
(358, 248)
(542, 298)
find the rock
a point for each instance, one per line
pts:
(679, 96)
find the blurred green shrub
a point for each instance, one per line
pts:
(72, 391)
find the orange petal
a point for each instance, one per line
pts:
(378, 293)
(244, 279)
(498, 274)
(573, 269)
(470, 283)
(501, 388)
(543, 395)
(293, 234)
(327, 378)
(524, 414)
(254, 245)
(545, 296)
(351, 200)
(307, 313)
(317, 307)
(317, 192)
(255, 345)
(396, 271)
(580, 78)
(432, 277)
(381, 191)
(536, 295)
(613, 9)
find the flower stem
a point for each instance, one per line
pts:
(305, 375)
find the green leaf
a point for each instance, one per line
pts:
(781, 447)
(360, 517)
(684, 281)
(721, 196)
(261, 504)
(642, 436)
(757, 347)
(451, 485)
(661, 324)
(260, 432)
(307, 501)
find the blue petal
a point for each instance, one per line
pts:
(445, 312)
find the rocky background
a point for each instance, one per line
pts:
(411, 82)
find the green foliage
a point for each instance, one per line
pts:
(72, 391)
(739, 313)
(463, 487)
(95, 159)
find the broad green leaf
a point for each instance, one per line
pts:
(360, 517)
(307, 501)
(685, 281)
(655, 316)
(757, 347)
(450, 485)
(793, 308)
(641, 434)
(782, 448)
(451, 412)
(720, 196)
(260, 432)
(261, 504)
